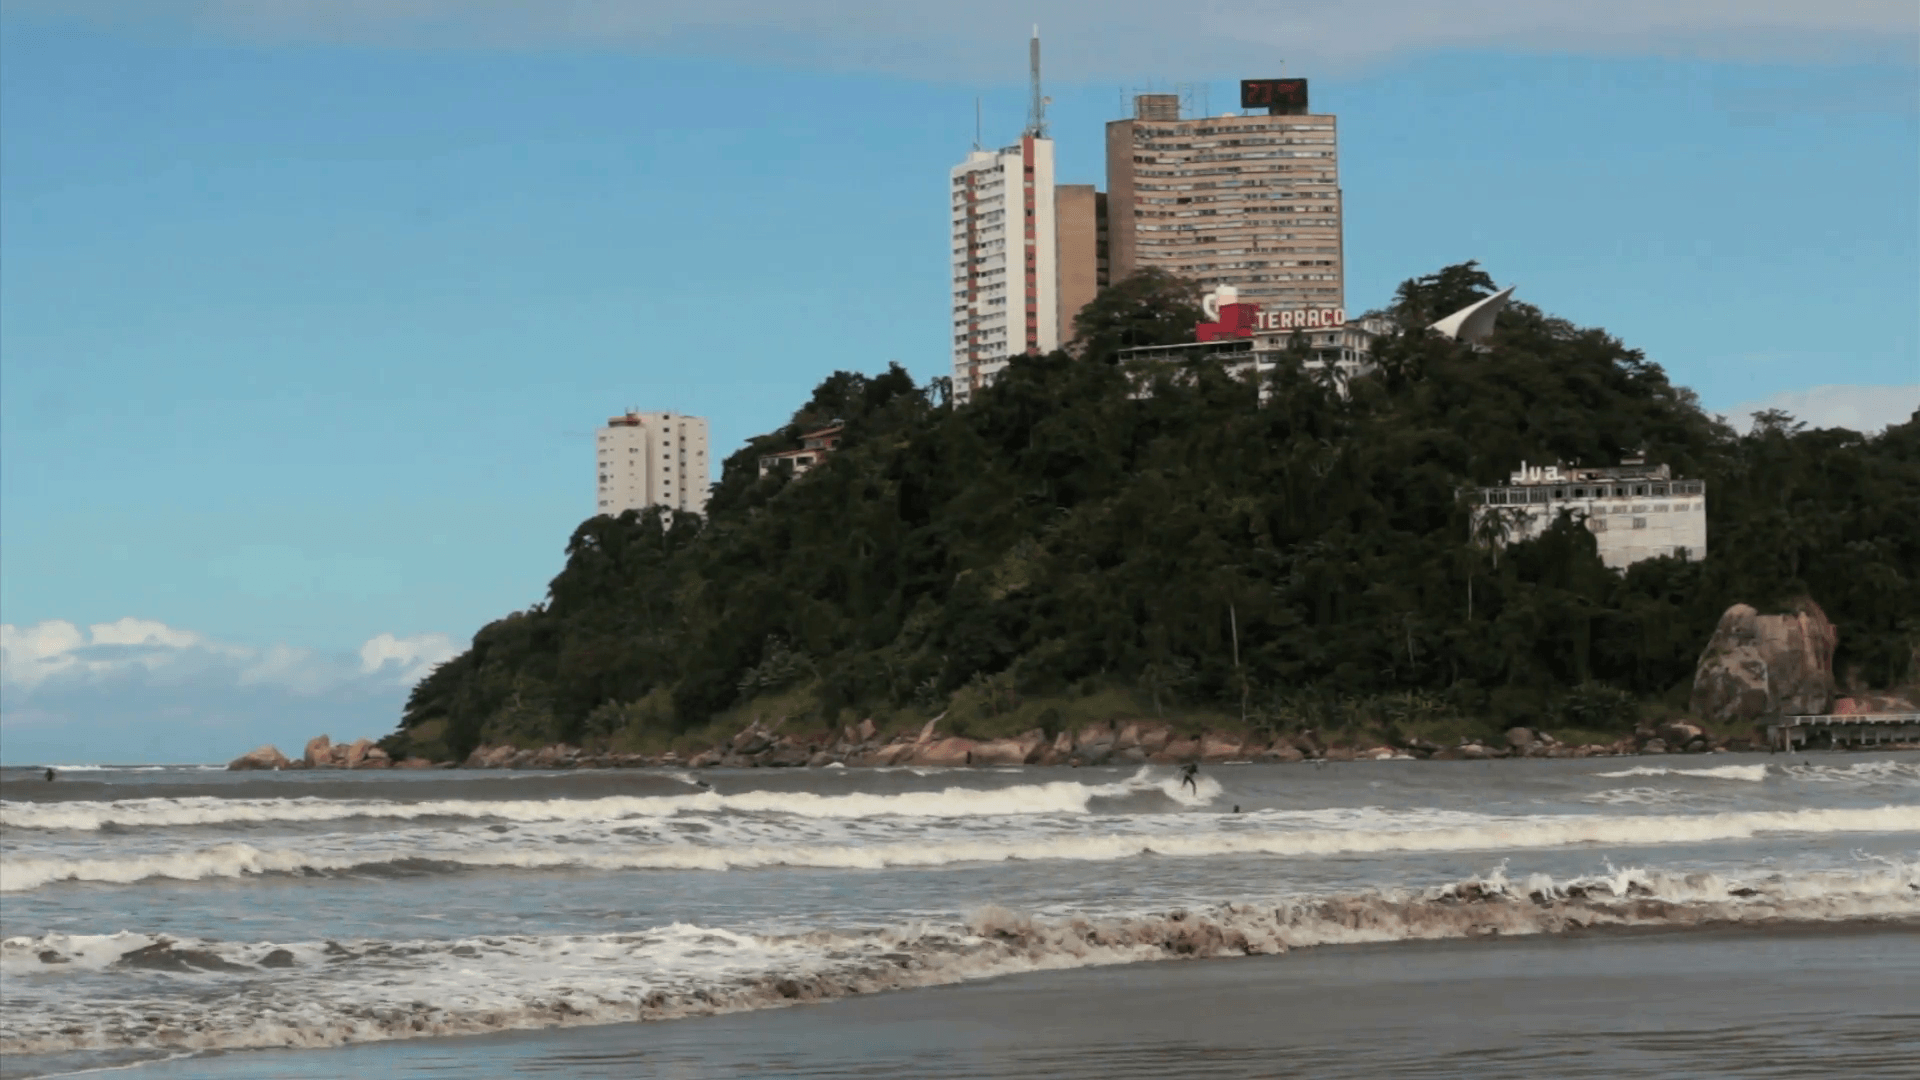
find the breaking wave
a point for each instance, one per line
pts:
(185, 995)
(1749, 773)
(1251, 835)
(1056, 797)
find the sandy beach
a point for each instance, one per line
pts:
(1608, 1005)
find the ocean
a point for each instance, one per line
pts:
(1709, 915)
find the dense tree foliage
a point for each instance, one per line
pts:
(1067, 531)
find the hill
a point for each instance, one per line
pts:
(1068, 547)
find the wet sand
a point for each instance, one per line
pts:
(1793, 1001)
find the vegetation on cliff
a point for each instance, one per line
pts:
(1067, 542)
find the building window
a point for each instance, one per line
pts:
(1639, 523)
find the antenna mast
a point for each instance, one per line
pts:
(976, 123)
(1037, 111)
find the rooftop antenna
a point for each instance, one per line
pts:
(976, 123)
(1037, 111)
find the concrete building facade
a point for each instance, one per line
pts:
(1635, 511)
(1251, 201)
(652, 459)
(1080, 216)
(1005, 260)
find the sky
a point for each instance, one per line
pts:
(308, 309)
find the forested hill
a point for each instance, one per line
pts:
(1188, 551)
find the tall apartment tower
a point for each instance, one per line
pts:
(1080, 222)
(1005, 292)
(652, 459)
(1251, 201)
(1005, 255)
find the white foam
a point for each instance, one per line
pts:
(370, 990)
(1860, 773)
(1056, 797)
(1318, 833)
(1752, 774)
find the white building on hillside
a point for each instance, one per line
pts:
(1635, 511)
(652, 459)
(1005, 280)
(1005, 243)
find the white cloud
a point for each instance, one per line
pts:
(57, 650)
(1127, 39)
(1859, 408)
(415, 656)
(136, 689)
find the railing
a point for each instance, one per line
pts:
(1861, 728)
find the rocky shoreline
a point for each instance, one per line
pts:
(1754, 667)
(1116, 742)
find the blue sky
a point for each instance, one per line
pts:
(308, 311)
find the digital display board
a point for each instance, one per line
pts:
(1273, 93)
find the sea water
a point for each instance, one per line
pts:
(156, 914)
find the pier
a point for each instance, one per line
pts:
(1833, 732)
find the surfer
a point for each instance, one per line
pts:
(49, 775)
(1187, 774)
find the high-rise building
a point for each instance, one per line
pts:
(1250, 200)
(1005, 292)
(1006, 298)
(652, 459)
(1080, 223)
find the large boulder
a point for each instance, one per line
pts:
(892, 754)
(1281, 751)
(1015, 751)
(1178, 751)
(948, 751)
(1215, 747)
(1094, 743)
(266, 757)
(357, 753)
(319, 753)
(1758, 666)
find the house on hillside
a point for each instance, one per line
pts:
(814, 448)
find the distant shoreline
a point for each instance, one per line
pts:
(762, 746)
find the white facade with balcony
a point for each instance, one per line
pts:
(1635, 511)
(652, 459)
(1005, 272)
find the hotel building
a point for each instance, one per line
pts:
(1251, 201)
(652, 459)
(1635, 511)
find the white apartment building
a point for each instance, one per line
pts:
(652, 459)
(1005, 260)
(1635, 511)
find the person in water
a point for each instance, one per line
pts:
(49, 774)
(1187, 774)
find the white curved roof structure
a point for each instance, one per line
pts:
(1474, 322)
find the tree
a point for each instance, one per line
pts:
(1150, 307)
(1422, 301)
